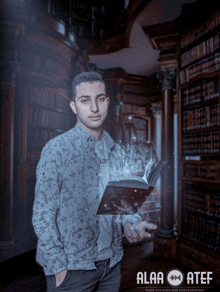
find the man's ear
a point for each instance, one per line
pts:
(73, 107)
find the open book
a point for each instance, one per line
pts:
(126, 194)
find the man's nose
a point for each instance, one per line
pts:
(94, 106)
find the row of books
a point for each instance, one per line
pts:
(203, 142)
(202, 170)
(201, 230)
(48, 119)
(203, 117)
(50, 100)
(215, 205)
(202, 202)
(191, 36)
(195, 201)
(207, 65)
(200, 90)
(201, 50)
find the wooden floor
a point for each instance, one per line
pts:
(137, 258)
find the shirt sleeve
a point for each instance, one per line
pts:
(50, 253)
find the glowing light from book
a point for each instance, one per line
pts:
(132, 159)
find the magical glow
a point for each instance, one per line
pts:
(135, 161)
(132, 159)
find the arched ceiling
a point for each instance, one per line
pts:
(110, 31)
(140, 58)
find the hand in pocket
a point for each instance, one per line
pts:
(60, 277)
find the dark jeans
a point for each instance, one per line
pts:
(104, 279)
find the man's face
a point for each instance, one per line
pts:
(91, 104)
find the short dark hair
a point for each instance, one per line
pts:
(85, 77)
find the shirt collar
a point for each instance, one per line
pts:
(87, 138)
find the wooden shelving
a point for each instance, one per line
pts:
(48, 115)
(130, 117)
(199, 258)
(38, 99)
(200, 52)
(199, 79)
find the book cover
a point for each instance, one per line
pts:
(126, 194)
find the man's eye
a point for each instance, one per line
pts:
(101, 98)
(84, 101)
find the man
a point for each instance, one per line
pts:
(79, 250)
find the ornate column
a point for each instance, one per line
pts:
(167, 78)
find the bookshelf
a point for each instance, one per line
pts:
(47, 115)
(130, 112)
(38, 100)
(200, 50)
(136, 123)
(199, 121)
(193, 41)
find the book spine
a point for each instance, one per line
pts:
(204, 142)
(209, 64)
(201, 230)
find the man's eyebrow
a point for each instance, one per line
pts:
(83, 96)
(100, 94)
(88, 96)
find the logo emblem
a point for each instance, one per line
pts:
(175, 278)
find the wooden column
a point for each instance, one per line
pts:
(7, 91)
(167, 179)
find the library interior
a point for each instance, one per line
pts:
(161, 64)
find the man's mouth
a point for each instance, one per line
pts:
(95, 118)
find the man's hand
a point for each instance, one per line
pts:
(60, 277)
(137, 231)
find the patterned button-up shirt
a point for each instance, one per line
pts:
(66, 202)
